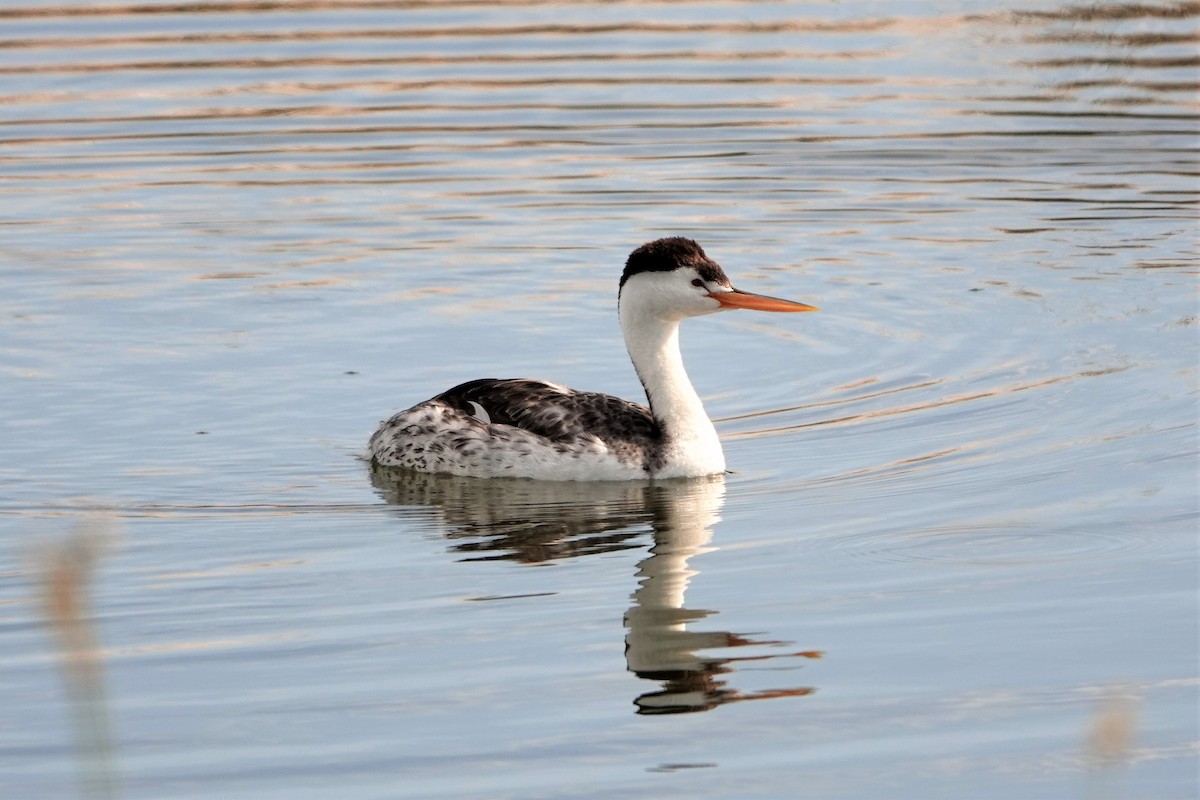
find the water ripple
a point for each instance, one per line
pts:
(988, 545)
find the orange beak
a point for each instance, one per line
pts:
(757, 302)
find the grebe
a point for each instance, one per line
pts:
(524, 428)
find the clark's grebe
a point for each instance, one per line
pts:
(527, 428)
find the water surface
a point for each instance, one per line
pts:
(956, 552)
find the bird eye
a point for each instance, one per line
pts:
(697, 282)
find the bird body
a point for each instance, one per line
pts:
(526, 428)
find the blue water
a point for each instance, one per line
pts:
(956, 553)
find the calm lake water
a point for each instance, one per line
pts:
(955, 556)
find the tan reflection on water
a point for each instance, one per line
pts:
(537, 521)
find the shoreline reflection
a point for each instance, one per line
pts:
(537, 521)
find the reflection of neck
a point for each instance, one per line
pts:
(653, 344)
(658, 638)
(664, 576)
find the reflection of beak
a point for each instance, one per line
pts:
(758, 302)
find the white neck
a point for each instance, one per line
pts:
(652, 339)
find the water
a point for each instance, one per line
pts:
(956, 555)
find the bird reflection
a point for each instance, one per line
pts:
(659, 646)
(521, 520)
(539, 521)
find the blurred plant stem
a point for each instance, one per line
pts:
(66, 570)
